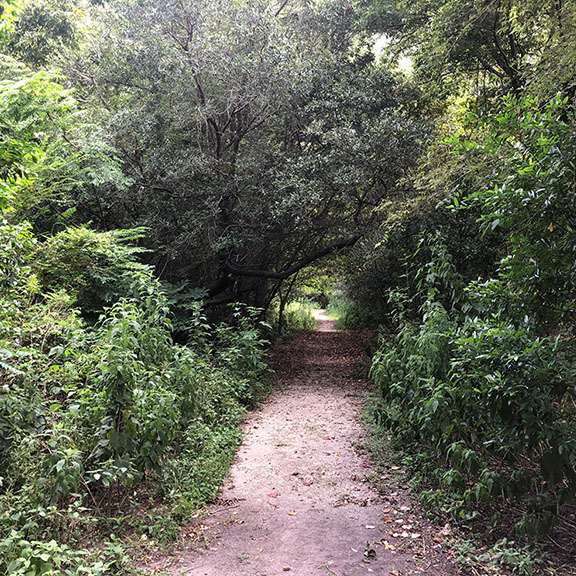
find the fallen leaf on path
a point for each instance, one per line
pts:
(309, 483)
(273, 495)
(446, 531)
(291, 512)
(286, 569)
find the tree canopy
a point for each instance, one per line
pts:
(499, 46)
(257, 139)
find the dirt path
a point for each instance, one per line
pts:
(299, 499)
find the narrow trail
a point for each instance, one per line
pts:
(299, 499)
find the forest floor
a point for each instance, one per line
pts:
(303, 496)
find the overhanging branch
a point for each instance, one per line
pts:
(326, 251)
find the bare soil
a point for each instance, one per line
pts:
(303, 497)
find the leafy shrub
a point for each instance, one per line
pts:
(531, 197)
(299, 315)
(96, 268)
(241, 349)
(95, 395)
(296, 315)
(86, 409)
(477, 400)
(351, 315)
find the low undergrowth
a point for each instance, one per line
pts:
(477, 551)
(106, 420)
(295, 315)
(481, 406)
(350, 315)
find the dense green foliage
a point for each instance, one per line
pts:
(250, 136)
(474, 272)
(489, 47)
(97, 401)
(531, 150)
(90, 410)
(479, 399)
(167, 165)
(96, 269)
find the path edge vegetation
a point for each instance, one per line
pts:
(91, 457)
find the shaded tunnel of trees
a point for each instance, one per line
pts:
(175, 174)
